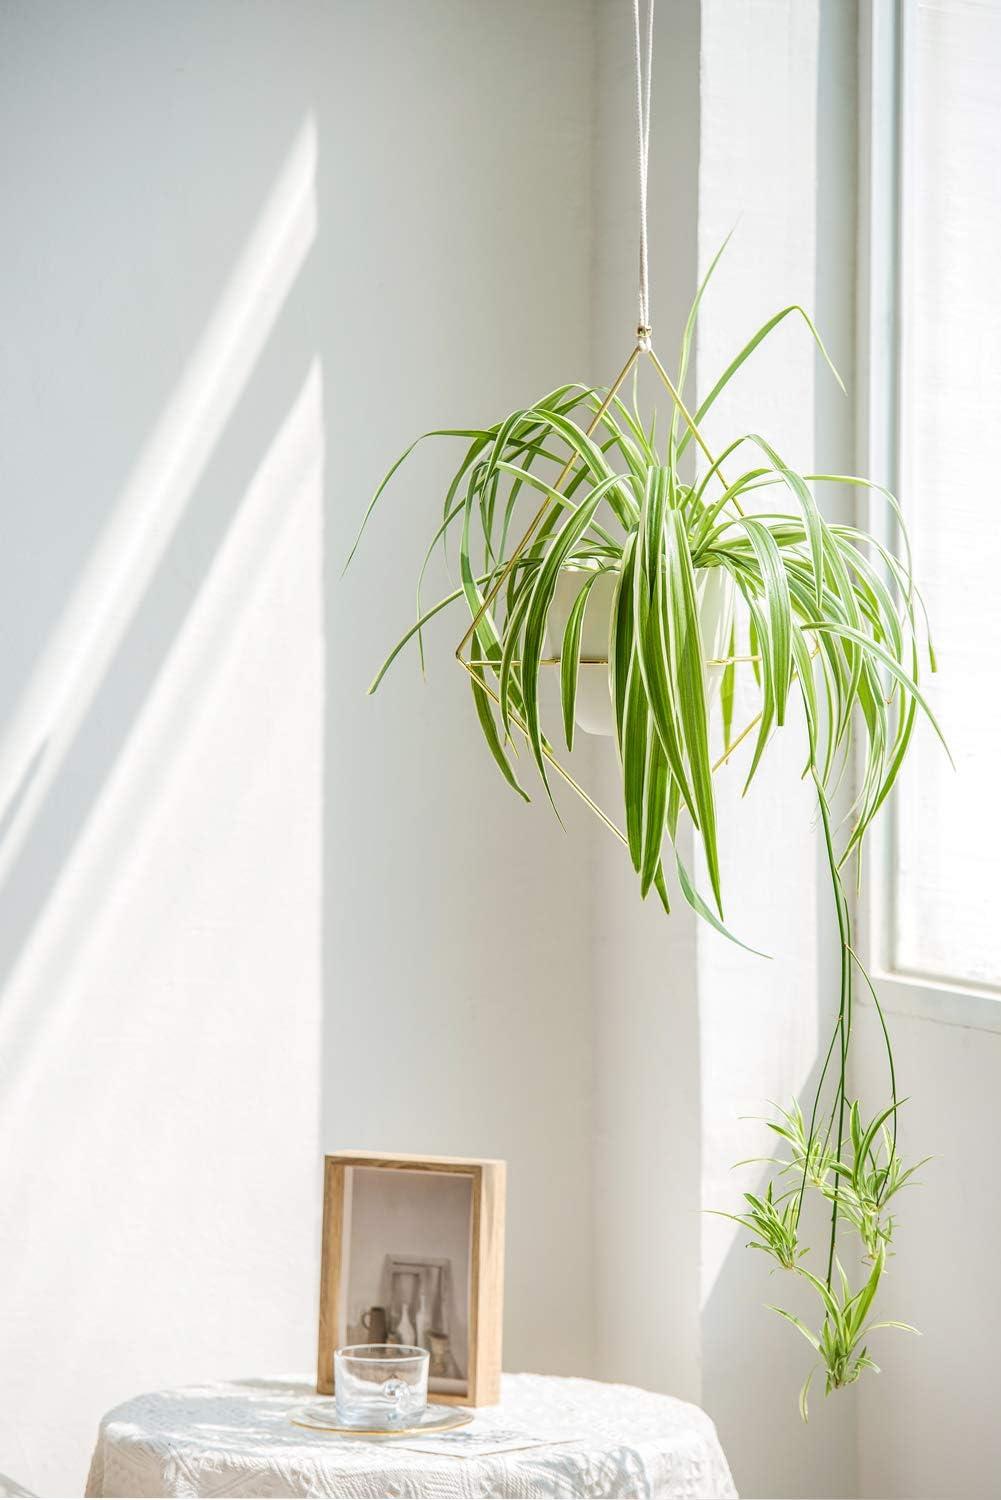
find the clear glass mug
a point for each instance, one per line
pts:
(380, 1385)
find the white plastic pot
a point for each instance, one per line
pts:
(595, 711)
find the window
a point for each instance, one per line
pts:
(932, 342)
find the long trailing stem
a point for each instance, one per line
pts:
(889, 1050)
(844, 1022)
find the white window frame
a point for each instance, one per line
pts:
(885, 35)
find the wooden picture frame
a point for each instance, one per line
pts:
(441, 1203)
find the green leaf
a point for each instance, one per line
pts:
(656, 780)
(779, 615)
(886, 660)
(676, 607)
(687, 336)
(706, 912)
(543, 587)
(634, 760)
(510, 687)
(620, 650)
(861, 1304)
(484, 712)
(746, 351)
(479, 440)
(760, 626)
(804, 1409)
(815, 527)
(727, 686)
(811, 1338)
(650, 635)
(570, 657)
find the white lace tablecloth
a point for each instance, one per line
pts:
(237, 1440)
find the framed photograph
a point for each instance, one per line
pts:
(413, 1253)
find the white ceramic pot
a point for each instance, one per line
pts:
(595, 711)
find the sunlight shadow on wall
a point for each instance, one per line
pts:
(189, 726)
(160, 1029)
(146, 514)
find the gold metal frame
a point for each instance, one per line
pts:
(471, 665)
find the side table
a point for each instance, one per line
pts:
(237, 1439)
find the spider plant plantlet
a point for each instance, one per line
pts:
(633, 539)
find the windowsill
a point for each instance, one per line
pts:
(928, 1000)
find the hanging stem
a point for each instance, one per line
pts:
(889, 1053)
(844, 1021)
(842, 1036)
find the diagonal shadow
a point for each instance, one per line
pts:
(133, 669)
(17, 797)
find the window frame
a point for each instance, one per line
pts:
(885, 80)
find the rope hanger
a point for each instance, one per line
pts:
(644, 72)
(643, 56)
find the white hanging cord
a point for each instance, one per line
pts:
(643, 75)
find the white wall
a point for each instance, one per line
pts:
(246, 913)
(457, 970)
(928, 1425)
(162, 712)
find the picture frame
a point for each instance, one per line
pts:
(412, 1251)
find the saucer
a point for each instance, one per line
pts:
(321, 1416)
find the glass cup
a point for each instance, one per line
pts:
(380, 1385)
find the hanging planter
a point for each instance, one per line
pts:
(623, 583)
(594, 707)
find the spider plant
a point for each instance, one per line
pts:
(830, 621)
(841, 1342)
(857, 1182)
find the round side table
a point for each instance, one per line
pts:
(237, 1439)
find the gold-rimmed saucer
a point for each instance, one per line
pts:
(322, 1417)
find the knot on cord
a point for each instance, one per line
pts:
(644, 336)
